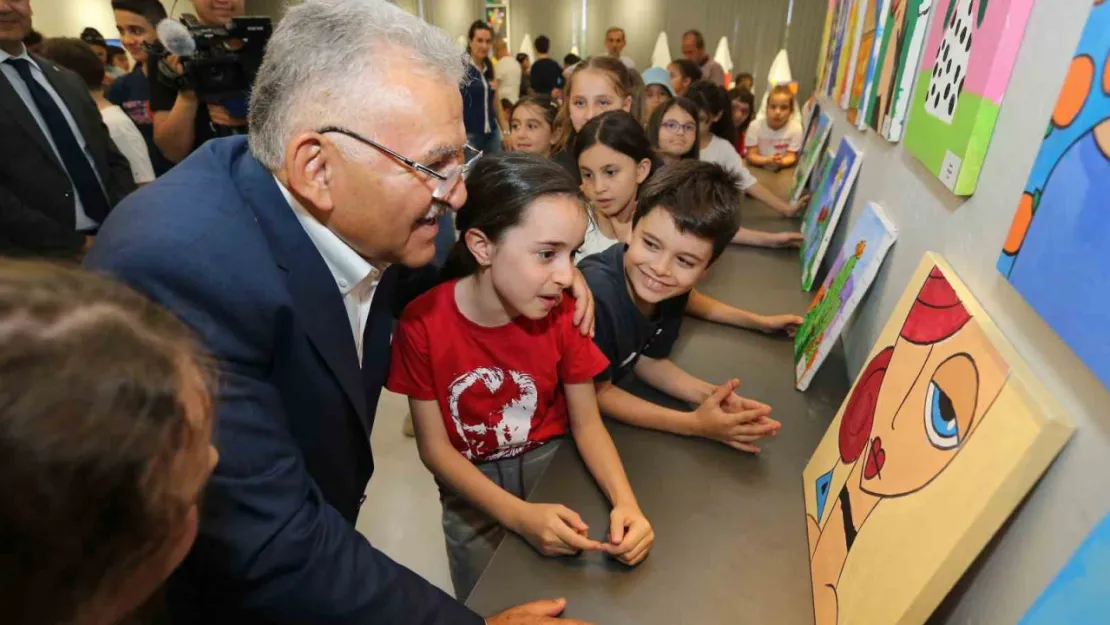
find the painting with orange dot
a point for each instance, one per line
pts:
(1056, 252)
(943, 433)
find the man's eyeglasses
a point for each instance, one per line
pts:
(466, 158)
(674, 126)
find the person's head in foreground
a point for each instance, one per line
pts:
(15, 25)
(685, 218)
(614, 157)
(780, 106)
(522, 222)
(136, 21)
(693, 47)
(714, 112)
(742, 102)
(78, 57)
(614, 41)
(597, 85)
(105, 428)
(673, 130)
(657, 89)
(683, 73)
(533, 125)
(367, 135)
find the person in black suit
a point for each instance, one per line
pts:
(60, 173)
(290, 257)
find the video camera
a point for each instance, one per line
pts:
(220, 63)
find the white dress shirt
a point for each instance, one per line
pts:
(356, 277)
(84, 222)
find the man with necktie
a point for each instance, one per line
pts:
(60, 173)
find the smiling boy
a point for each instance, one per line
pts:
(685, 218)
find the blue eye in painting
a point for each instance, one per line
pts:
(940, 418)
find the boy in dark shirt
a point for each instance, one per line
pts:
(685, 217)
(546, 73)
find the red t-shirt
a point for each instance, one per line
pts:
(500, 390)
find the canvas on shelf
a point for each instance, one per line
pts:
(831, 13)
(851, 275)
(896, 67)
(874, 24)
(851, 51)
(825, 208)
(943, 433)
(838, 23)
(820, 125)
(969, 56)
(1055, 254)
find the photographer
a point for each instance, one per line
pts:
(181, 121)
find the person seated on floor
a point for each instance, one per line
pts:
(675, 133)
(507, 374)
(105, 427)
(685, 217)
(774, 141)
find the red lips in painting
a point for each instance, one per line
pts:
(876, 458)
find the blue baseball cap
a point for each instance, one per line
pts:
(658, 76)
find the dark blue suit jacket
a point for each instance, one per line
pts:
(216, 243)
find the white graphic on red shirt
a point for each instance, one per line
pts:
(511, 425)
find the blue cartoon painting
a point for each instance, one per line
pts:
(1056, 252)
(825, 208)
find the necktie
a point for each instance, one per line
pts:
(73, 157)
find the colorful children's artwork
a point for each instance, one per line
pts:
(856, 16)
(903, 39)
(851, 275)
(1080, 594)
(823, 165)
(874, 24)
(825, 208)
(831, 13)
(820, 125)
(969, 56)
(1055, 254)
(943, 433)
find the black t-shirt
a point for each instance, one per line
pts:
(546, 74)
(621, 331)
(131, 93)
(162, 97)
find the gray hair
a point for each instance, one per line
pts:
(331, 57)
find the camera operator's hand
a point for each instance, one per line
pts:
(221, 117)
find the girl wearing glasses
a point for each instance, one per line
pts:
(508, 375)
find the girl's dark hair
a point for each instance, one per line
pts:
(98, 448)
(623, 83)
(545, 103)
(656, 122)
(740, 94)
(621, 132)
(571, 59)
(487, 64)
(713, 99)
(522, 57)
(152, 10)
(688, 68)
(500, 189)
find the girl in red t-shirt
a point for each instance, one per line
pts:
(508, 374)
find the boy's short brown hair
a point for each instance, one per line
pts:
(104, 440)
(702, 198)
(76, 56)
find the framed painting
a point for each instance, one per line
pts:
(1080, 593)
(969, 56)
(943, 433)
(852, 273)
(825, 208)
(896, 66)
(1055, 253)
(874, 24)
(497, 16)
(820, 125)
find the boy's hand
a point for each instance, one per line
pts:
(583, 304)
(555, 530)
(739, 429)
(785, 239)
(798, 208)
(630, 535)
(535, 613)
(772, 324)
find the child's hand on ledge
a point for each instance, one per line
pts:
(774, 324)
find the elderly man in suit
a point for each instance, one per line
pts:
(60, 173)
(289, 256)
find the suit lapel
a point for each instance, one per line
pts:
(79, 104)
(316, 298)
(22, 118)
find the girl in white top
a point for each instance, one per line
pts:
(774, 142)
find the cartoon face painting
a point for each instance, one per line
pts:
(914, 407)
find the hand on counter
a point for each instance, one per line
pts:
(774, 324)
(734, 420)
(554, 530)
(630, 535)
(545, 612)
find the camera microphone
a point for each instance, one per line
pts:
(176, 38)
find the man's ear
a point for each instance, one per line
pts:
(480, 246)
(310, 162)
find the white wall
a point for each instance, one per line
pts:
(1075, 492)
(67, 18)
